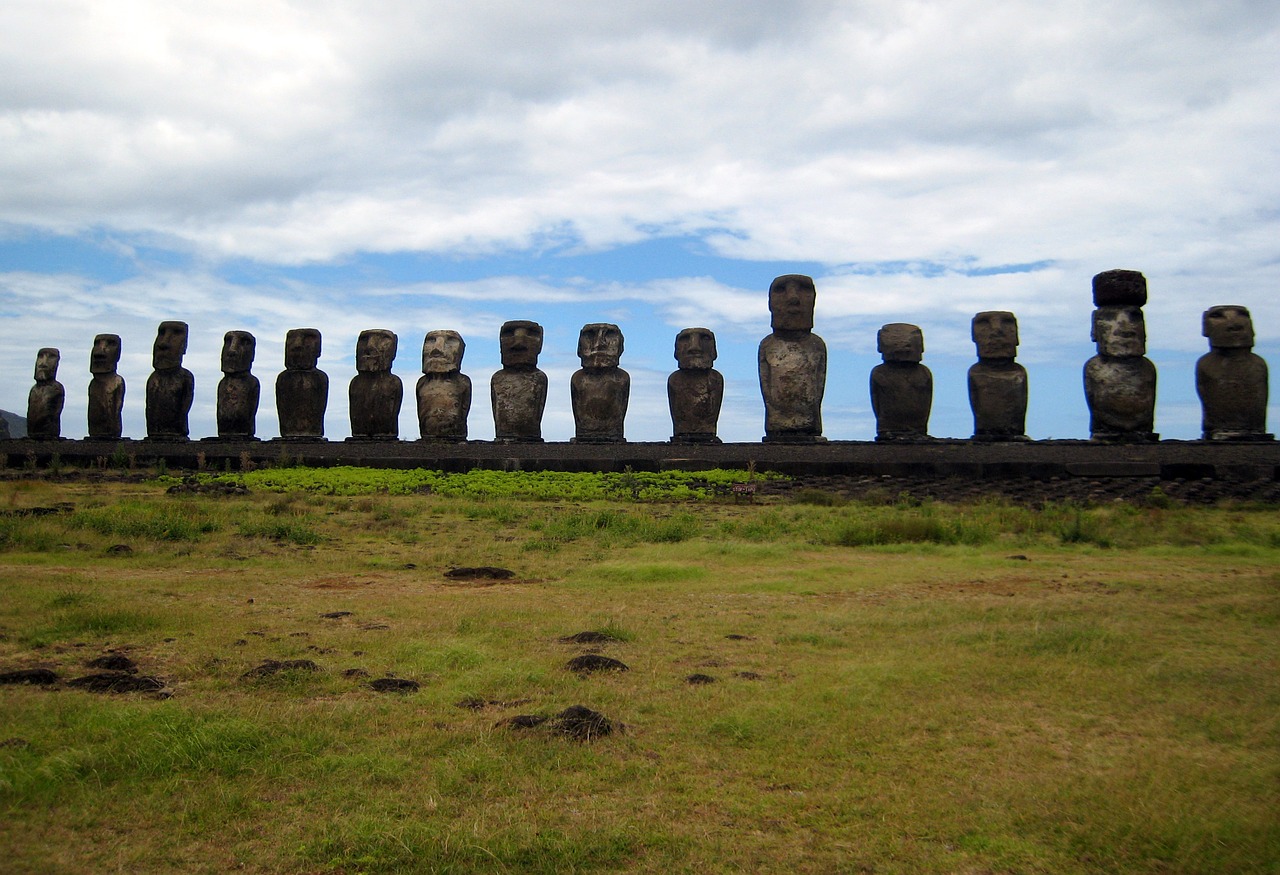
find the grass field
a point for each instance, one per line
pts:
(894, 688)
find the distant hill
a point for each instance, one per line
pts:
(17, 425)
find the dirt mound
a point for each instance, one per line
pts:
(480, 572)
(593, 662)
(335, 615)
(582, 724)
(590, 638)
(395, 685)
(697, 679)
(117, 682)
(114, 662)
(42, 676)
(273, 666)
(522, 721)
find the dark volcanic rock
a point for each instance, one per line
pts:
(581, 723)
(593, 662)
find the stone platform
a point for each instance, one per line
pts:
(1040, 460)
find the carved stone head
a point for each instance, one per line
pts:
(375, 350)
(791, 301)
(695, 349)
(1228, 326)
(301, 349)
(238, 349)
(520, 342)
(900, 342)
(442, 352)
(600, 345)
(1119, 331)
(47, 361)
(105, 355)
(170, 346)
(996, 334)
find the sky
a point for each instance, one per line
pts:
(270, 165)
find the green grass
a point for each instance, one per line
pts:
(894, 691)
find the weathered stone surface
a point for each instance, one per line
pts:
(106, 388)
(302, 389)
(518, 392)
(696, 390)
(375, 394)
(1120, 288)
(793, 364)
(443, 392)
(1119, 382)
(901, 387)
(238, 390)
(600, 390)
(45, 400)
(171, 387)
(1231, 380)
(997, 384)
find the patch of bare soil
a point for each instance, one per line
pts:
(699, 679)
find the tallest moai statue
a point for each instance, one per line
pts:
(1120, 382)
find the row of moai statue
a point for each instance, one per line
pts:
(1119, 382)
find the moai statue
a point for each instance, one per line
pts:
(518, 392)
(45, 400)
(444, 392)
(238, 390)
(302, 389)
(901, 387)
(375, 394)
(694, 392)
(793, 364)
(1231, 379)
(171, 387)
(600, 389)
(106, 388)
(1119, 382)
(997, 384)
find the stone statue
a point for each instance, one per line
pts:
(518, 392)
(997, 384)
(238, 390)
(302, 389)
(106, 388)
(1119, 382)
(696, 389)
(901, 387)
(793, 364)
(1231, 379)
(375, 394)
(45, 400)
(171, 387)
(444, 392)
(600, 389)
